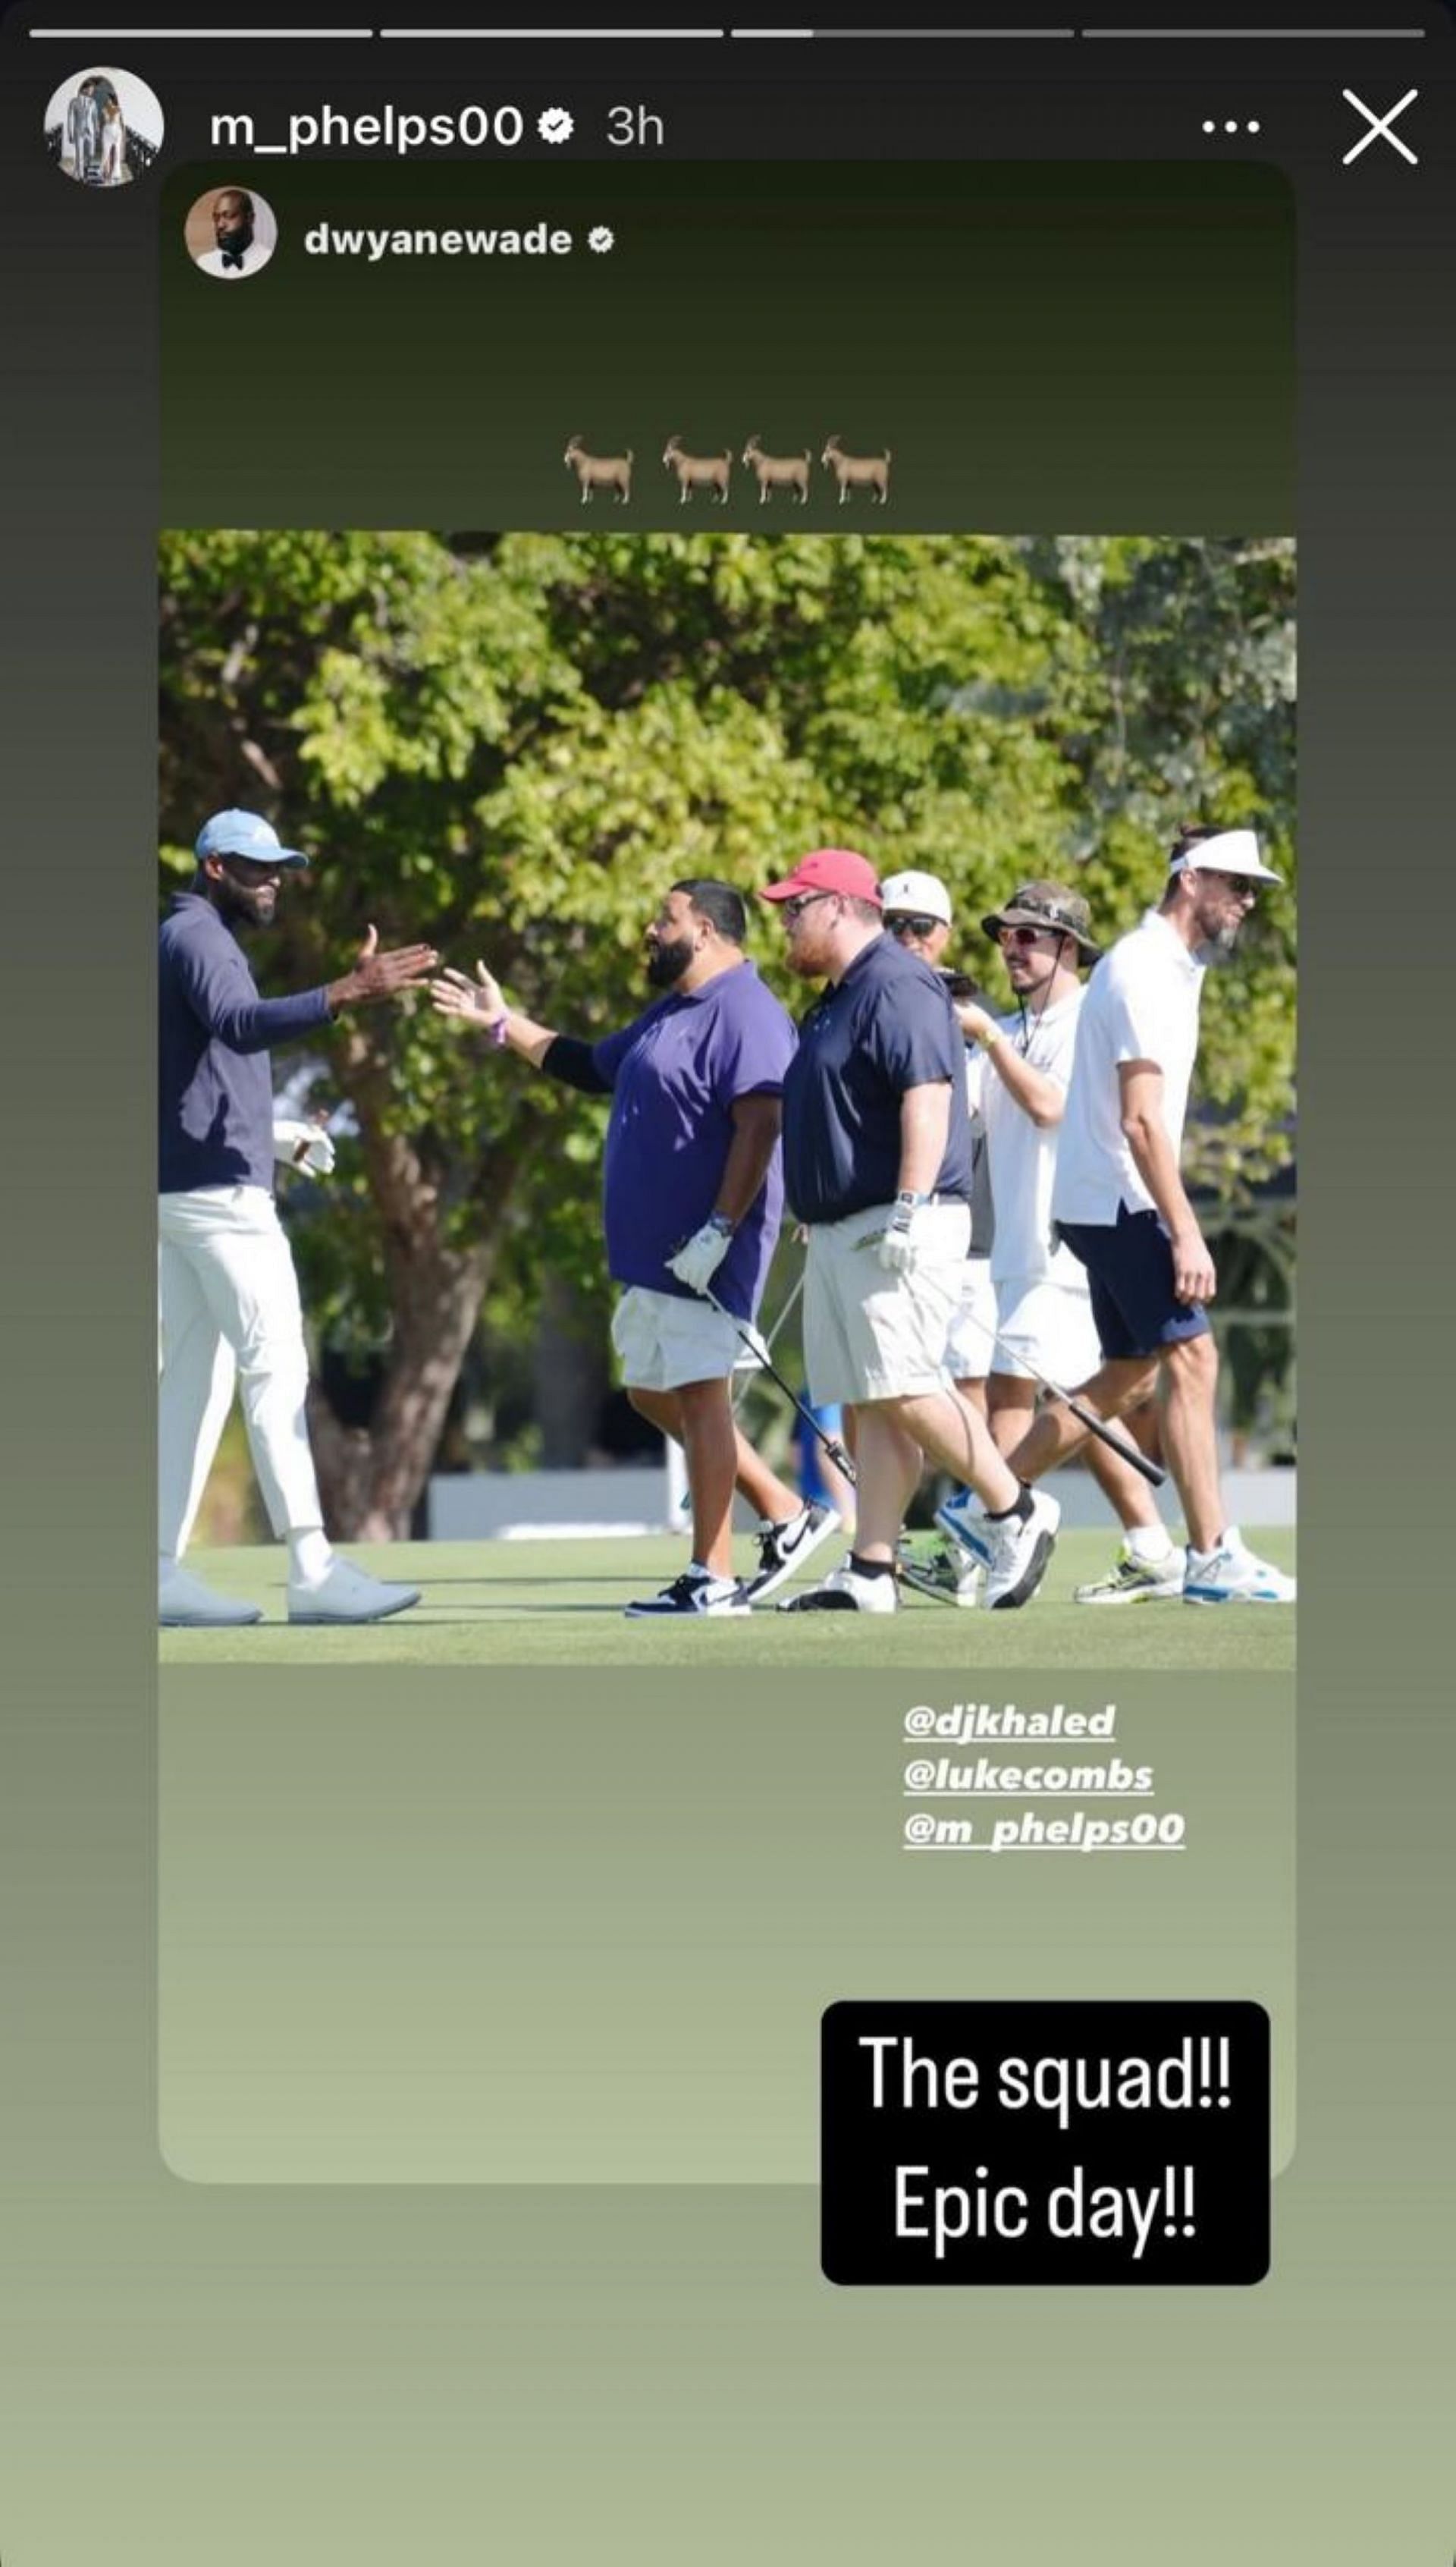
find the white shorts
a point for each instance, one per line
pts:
(1046, 1327)
(871, 1335)
(970, 1348)
(662, 1343)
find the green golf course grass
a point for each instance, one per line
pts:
(560, 1603)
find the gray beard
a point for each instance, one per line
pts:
(1218, 949)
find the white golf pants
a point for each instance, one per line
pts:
(229, 1313)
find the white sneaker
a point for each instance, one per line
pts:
(1232, 1575)
(1020, 1552)
(183, 1604)
(845, 1590)
(697, 1593)
(964, 1517)
(1134, 1580)
(784, 1547)
(941, 1569)
(348, 1594)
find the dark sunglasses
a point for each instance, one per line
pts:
(904, 924)
(1026, 935)
(795, 908)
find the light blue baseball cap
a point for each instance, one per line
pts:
(245, 833)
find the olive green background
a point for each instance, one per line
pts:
(959, 316)
(563, 1931)
(299, 2374)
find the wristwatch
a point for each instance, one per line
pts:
(720, 1221)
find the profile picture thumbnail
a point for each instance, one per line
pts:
(231, 233)
(104, 128)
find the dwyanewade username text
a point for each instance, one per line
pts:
(469, 240)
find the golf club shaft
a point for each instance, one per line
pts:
(771, 1333)
(1126, 1450)
(841, 1459)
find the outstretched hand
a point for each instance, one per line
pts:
(481, 1000)
(378, 976)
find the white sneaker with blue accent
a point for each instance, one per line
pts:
(1232, 1575)
(1021, 1553)
(964, 1517)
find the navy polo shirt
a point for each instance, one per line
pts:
(215, 1086)
(675, 1075)
(885, 1026)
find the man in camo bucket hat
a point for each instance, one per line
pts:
(1046, 906)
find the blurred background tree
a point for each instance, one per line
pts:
(512, 744)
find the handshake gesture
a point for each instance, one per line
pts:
(481, 1000)
(376, 976)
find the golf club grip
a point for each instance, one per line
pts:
(842, 1461)
(1126, 1451)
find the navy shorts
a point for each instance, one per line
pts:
(1129, 1266)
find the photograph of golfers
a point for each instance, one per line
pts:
(814, 999)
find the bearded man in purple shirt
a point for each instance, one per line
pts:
(229, 1299)
(693, 1197)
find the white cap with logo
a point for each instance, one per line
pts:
(916, 896)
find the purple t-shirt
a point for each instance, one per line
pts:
(675, 1075)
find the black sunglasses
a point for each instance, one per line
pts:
(906, 924)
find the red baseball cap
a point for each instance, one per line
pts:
(830, 869)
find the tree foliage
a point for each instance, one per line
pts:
(511, 745)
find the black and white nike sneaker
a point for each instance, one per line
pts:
(783, 1548)
(697, 1593)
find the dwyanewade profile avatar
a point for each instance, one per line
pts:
(104, 128)
(231, 233)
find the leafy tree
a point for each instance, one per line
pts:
(511, 744)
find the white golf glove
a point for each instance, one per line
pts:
(899, 1247)
(698, 1258)
(303, 1146)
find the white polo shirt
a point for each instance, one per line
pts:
(1022, 1155)
(1141, 1004)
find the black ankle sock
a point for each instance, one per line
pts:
(870, 1567)
(1021, 1510)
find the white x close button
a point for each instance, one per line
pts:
(1379, 127)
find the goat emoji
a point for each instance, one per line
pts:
(859, 471)
(611, 473)
(777, 471)
(698, 471)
